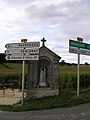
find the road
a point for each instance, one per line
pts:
(81, 112)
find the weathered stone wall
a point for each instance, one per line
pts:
(51, 63)
(41, 92)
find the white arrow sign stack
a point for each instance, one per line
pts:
(22, 51)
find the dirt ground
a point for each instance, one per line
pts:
(10, 97)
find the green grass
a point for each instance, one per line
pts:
(11, 68)
(64, 100)
(73, 69)
(7, 68)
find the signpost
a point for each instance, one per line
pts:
(22, 51)
(78, 47)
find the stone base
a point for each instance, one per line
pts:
(41, 92)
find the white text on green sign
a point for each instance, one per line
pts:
(79, 44)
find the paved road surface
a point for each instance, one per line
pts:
(81, 112)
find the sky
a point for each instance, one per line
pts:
(55, 20)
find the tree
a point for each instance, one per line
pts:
(62, 62)
(2, 58)
(86, 63)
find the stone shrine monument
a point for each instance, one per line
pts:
(43, 75)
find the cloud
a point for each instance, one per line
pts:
(56, 20)
(67, 14)
(68, 18)
(48, 14)
(18, 3)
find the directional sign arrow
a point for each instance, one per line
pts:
(17, 57)
(23, 45)
(22, 51)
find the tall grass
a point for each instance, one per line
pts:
(68, 77)
(11, 73)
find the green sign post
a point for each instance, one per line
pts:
(79, 47)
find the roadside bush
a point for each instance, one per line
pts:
(8, 79)
(69, 81)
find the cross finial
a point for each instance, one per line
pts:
(43, 41)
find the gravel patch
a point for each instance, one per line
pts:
(10, 97)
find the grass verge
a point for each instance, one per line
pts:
(63, 100)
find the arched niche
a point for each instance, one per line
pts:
(45, 64)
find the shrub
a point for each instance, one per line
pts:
(15, 79)
(69, 81)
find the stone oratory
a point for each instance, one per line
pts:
(43, 75)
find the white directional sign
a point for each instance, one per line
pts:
(79, 51)
(23, 45)
(26, 57)
(22, 51)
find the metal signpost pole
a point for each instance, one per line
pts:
(78, 74)
(23, 75)
(78, 47)
(23, 79)
(78, 68)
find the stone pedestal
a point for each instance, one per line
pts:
(41, 92)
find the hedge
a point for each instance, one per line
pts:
(15, 79)
(69, 81)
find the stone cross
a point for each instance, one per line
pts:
(43, 41)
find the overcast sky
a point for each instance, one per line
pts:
(56, 20)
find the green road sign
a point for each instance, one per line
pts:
(79, 44)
